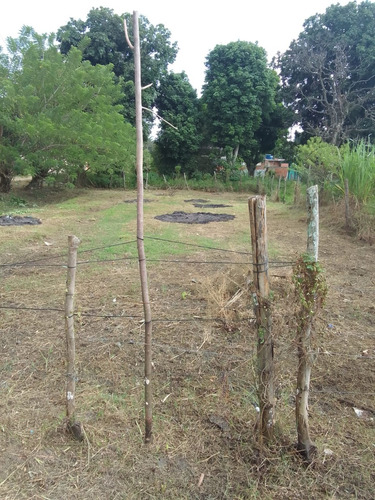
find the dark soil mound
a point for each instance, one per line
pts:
(194, 218)
(17, 220)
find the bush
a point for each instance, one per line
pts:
(358, 166)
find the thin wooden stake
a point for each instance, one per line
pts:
(186, 182)
(284, 199)
(347, 205)
(258, 226)
(71, 376)
(305, 354)
(140, 237)
(278, 190)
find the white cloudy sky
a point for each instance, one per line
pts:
(197, 25)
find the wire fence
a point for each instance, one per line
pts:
(234, 356)
(42, 261)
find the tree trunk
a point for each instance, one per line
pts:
(5, 181)
(37, 180)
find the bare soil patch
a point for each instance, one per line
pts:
(194, 218)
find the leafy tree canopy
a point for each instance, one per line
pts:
(102, 41)
(318, 161)
(238, 97)
(178, 104)
(58, 113)
(328, 73)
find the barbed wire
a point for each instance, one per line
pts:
(273, 264)
(33, 261)
(196, 246)
(124, 316)
(339, 393)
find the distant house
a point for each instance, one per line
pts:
(271, 164)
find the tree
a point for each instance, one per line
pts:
(59, 114)
(102, 40)
(318, 162)
(177, 102)
(328, 73)
(238, 96)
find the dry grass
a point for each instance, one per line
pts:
(204, 379)
(361, 220)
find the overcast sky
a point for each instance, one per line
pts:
(197, 25)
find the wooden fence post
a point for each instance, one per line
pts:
(305, 354)
(71, 377)
(258, 227)
(347, 205)
(284, 199)
(186, 182)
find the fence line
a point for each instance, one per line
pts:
(15, 264)
(197, 246)
(232, 356)
(194, 319)
(37, 262)
(273, 264)
(125, 316)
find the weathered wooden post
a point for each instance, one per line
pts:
(71, 376)
(347, 205)
(278, 190)
(313, 222)
(311, 291)
(297, 192)
(258, 227)
(186, 182)
(284, 199)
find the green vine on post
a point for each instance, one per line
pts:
(311, 288)
(311, 291)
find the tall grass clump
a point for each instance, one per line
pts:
(358, 166)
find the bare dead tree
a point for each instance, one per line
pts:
(334, 105)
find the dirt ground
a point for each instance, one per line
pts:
(204, 378)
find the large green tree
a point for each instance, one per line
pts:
(328, 73)
(102, 40)
(178, 104)
(59, 114)
(238, 97)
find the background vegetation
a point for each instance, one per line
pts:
(67, 107)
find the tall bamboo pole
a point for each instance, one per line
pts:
(258, 226)
(140, 236)
(305, 354)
